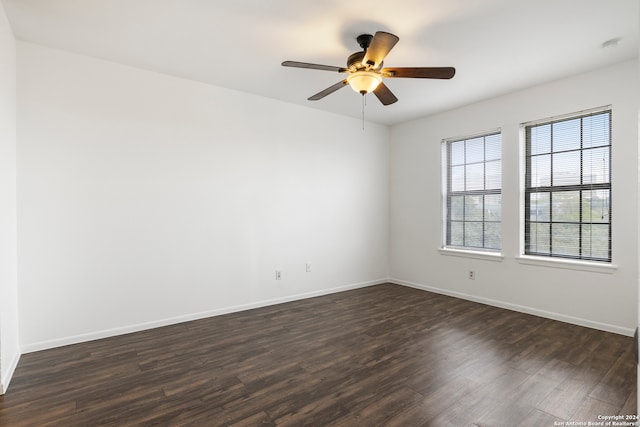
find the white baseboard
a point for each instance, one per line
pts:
(59, 342)
(520, 308)
(6, 378)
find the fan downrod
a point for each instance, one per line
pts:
(364, 40)
(355, 59)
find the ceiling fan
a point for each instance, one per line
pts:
(365, 72)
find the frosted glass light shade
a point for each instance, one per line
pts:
(364, 81)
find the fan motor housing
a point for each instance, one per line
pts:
(355, 60)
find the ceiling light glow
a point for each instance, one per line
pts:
(364, 81)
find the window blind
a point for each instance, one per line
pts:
(473, 194)
(568, 187)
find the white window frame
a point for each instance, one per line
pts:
(550, 261)
(466, 252)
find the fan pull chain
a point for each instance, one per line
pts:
(363, 105)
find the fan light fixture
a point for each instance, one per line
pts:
(364, 81)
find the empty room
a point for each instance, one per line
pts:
(411, 213)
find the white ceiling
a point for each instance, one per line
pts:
(497, 46)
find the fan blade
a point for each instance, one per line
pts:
(313, 66)
(328, 91)
(420, 72)
(380, 46)
(384, 94)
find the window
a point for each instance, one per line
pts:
(568, 187)
(473, 192)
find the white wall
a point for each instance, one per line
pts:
(9, 346)
(605, 301)
(146, 199)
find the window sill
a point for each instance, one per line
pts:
(567, 264)
(486, 256)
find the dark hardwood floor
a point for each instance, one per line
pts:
(380, 356)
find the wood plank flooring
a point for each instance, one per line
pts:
(385, 355)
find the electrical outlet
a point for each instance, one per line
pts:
(307, 267)
(278, 275)
(472, 275)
